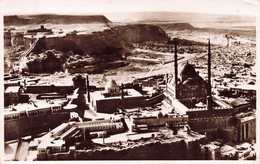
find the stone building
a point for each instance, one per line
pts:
(191, 95)
(114, 98)
(191, 89)
(12, 95)
(246, 126)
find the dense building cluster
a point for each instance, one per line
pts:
(200, 104)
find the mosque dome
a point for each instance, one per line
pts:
(188, 71)
(197, 80)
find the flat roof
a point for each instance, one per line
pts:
(245, 87)
(10, 111)
(221, 103)
(242, 87)
(50, 143)
(27, 106)
(14, 89)
(247, 118)
(98, 95)
(12, 82)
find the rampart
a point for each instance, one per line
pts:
(150, 150)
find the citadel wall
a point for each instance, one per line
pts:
(33, 125)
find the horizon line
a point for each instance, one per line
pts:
(115, 12)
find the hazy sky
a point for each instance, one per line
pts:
(105, 6)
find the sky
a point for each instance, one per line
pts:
(241, 7)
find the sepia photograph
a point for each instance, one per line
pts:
(114, 80)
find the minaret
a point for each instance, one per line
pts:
(176, 67)
(122, 96)
(209, 96)
(88, 89)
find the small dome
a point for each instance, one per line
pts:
(188, 70)
(111, 84)
(200, 105)
(112, 88)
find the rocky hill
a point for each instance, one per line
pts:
(97, 48)
(187, 26)
(46, 62)
(53, 19)
(96, 42)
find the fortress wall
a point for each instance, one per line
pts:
(14, 129)
(154, 150)
(199, 124)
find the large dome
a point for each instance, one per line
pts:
(197, 80)
(188, 71)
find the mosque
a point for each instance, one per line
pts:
(189, 94)
(188, 87)
(115, 97)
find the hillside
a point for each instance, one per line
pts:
(96, 42)
(53, 19)
(187, 26)
(79, 51)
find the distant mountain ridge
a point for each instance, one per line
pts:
(177, 26)
(54, 19)
(179, 17)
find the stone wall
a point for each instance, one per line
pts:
(14, 129)
(200, 124)
(150, 150)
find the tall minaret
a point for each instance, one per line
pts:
(122, 96)
(88, 89)
(209, 96)
(176, 67)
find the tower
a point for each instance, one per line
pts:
(122, 96)
(88, 89)
(80, 82)
(176, 66)
(209, 96)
